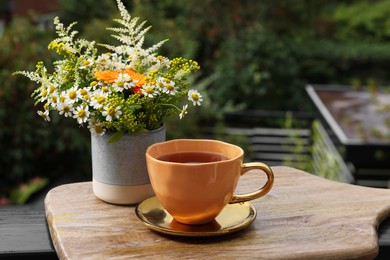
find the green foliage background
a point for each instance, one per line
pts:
(253, 55)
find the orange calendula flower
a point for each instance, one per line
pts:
(109, 76)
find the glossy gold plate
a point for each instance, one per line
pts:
(233, 217)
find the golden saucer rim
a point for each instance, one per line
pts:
(252, 214)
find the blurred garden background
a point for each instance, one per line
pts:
(254, 56)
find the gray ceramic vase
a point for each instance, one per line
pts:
(119, 169)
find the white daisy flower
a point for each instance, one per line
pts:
(72, 95)
(111, 112)
(195, 97)
(98, 99)
(160, 84)
(106, 89)
(53, 98)
(81, 113)
(86, 63)
(166, 86)
(84, 93)
(96, 129)
(103, 60)
(44, 115)
(149, 90)
(65, 109)
(171, 88)
(44, 93)
(123, 82)
(95, 85)
(183, 112)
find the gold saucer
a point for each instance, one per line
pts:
(233, 217)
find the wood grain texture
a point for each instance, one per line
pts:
(302, 217)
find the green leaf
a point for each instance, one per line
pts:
(115, 137)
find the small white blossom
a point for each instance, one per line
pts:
(195, 97)
(111, 112)
(96, 129)
(95, 85)
(83, 93)
(81, 113)
(86, 63)
(98, 99)
(103, 61)
(72, 95)
(149, 90)
(123, 82)
(44, 94)
(65, 109)
(44, 115)
(166, 86)
(53, 99)
(183, 112)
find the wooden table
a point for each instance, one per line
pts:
(303, 217)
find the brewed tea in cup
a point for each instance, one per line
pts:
(194, 179)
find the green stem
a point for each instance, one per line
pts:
(170, 105)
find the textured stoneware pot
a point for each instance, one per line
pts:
(119, 169)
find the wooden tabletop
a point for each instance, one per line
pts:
(302, 217)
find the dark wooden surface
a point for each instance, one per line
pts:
(24, 234)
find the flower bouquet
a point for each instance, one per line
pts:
(128, 89)
(123, 95)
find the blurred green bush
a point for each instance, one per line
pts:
(253, 55)
(29, 146)
(261, 54)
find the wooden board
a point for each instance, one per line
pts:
(303, 217)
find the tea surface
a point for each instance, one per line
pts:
(192, 157)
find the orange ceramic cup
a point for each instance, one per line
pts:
(195, 191)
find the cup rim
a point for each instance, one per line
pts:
(241, 151)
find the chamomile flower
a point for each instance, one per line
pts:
(44, 93)
(85, 63)
(53, 99)
(160, 84)
(111, 112)
(195, 97)
(123, 82)
(106, 89)
(98, 99)
(65, 109)
(94, 84)
(166, 86)
(96, 129)
(149, 90)
(103, 61)
(81, 113)
(84, 93)
(72, 95)
(44, 115)
(170, 88)
(183, 112)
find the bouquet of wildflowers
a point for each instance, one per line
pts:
(128, 89)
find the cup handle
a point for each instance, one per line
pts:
(246, 167)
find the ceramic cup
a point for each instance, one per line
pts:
(195, 190)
